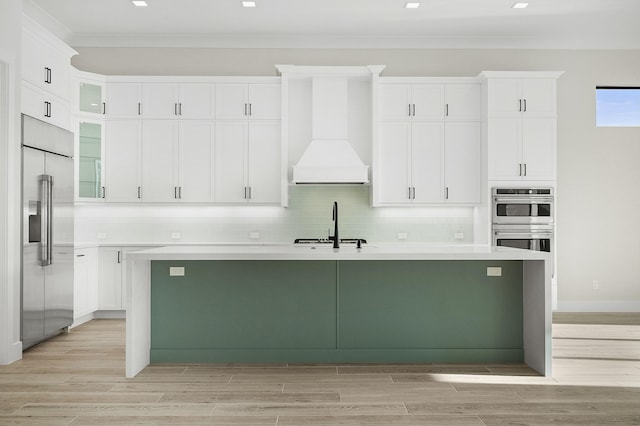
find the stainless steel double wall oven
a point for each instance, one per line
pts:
(523, 218)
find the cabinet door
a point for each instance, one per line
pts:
(91, 97)
(123, 158)
(159, 160)
(196, 101)
(428, 101)
(45, 66)
(232, 101)
(393, 179)
(395, 100)
(264, 101)
(230, 185)
(265, 153)
(33, 62)
(505, 142)
(540, 97)
(110, 278)
(504, 97)
(89, 160)
(462, 102)
(196, 161)
(462, 162)
(538, 148)
(39, 104)
(426, 161)
(80, 284)
(160, 100)
(123, 100)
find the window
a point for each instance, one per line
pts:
(617, 106)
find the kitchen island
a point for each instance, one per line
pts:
(383, 303)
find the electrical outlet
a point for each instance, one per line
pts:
(459, 235)
(494, 271)
(102, 235)
(176, 271)
(403, 235)
(176, 235)
(254, 235)
(596, 285)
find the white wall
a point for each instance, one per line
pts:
(598, 197)
(10, 34)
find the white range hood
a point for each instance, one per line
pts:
(330, 158)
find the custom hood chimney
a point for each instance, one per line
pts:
(330, 158)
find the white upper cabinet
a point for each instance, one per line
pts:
(521, 126)
(247, 162)
(123, 161)
(462, 102)
(46, 107)
(426, 162)
(430, 101)
(177, 161)
(394, 175)
(160, 160)
(46, 60)
(124, 100)
(177, 100)
(242, 101)
(462, 163)
(512, 97)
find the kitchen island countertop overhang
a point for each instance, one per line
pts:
(536, 283)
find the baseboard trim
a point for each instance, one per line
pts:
(81, 320)
(599, 306)
(109, 314)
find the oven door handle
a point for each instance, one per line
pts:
(524, 234)
(523, 200)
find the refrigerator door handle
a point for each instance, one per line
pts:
(46, 185)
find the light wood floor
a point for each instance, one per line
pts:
(78, 379)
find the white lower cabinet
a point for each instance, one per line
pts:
(428, 162)
(112, 291)
(247, 162)
(85, 282)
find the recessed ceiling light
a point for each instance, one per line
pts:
(139, 3)
(519, 5)
(412, 5)
(248, 4)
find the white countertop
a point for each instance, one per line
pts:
(374, 251)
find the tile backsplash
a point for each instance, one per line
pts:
(309, 215)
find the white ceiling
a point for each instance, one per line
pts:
(556, 24)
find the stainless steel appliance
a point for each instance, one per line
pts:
(522, 206)
(47, 230)
(523, 218)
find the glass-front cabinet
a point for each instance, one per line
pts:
(91, 98)
(90, 155)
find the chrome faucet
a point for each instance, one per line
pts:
(336, 238)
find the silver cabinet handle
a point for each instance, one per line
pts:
(249, 192)
(180, 192)
(409, 192)
(525, 166)
(519, 169)
(139, 108)
(446, 110)
(446, 193)
(175, 192)
(245, 109)
(525, 105)
(139, 192)
(80, 255)
(245, 192)
(119, 256)
(175, 109)
(47, 75)
(104, 192)
(104, 108)
(414, 110)
(47, 109)
(250, 105)
(180, 108)
(413, 190)
(520, 105)
(409, 105)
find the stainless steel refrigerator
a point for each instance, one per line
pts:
(47, 230)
